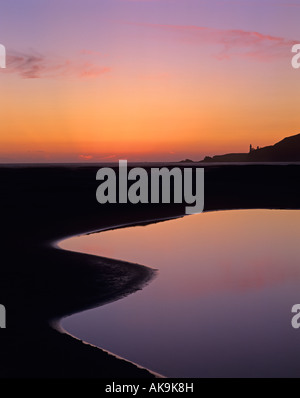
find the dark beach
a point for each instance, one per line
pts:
(40, 284)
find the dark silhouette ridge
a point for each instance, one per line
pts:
(286, 150)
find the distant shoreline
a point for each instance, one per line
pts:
(287, 150)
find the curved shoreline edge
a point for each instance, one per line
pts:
(142, 276)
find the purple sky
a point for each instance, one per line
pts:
(179, 77)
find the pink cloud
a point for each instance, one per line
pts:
(88, 70)
(96, 157)
(233, 43)
(85, 157)
(35, 65)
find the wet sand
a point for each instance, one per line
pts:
(39, 283)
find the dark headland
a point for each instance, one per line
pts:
(40, 284)
(286, 150)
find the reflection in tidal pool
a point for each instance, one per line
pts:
(221, 303)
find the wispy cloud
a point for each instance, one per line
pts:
(34, 65)
(85, 157)
(97, 157)
(232, 42)
(107, 157)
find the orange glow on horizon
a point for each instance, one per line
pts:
(174, 103)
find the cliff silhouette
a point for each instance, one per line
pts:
(286, 150)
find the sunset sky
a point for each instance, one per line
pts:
(103, 80)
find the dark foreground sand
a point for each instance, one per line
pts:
(39, 284)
